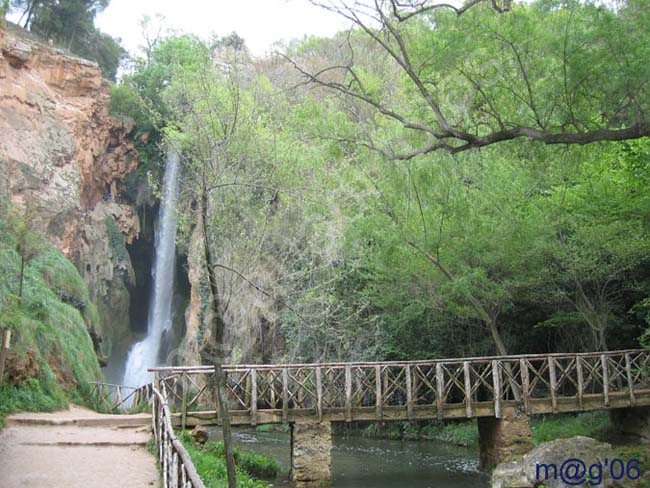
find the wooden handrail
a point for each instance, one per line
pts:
(111, 395)
(176, 463)
(5, 343)
(114, 385)
(530, 357)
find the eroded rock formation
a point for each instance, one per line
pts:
(252, 319)
(65, 157)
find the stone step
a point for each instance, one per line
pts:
(75, 436)
(119, 421)
(142, 443)
(78, 417)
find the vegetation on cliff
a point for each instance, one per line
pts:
(52, 355)
(71, 24)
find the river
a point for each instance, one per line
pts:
(377, 463)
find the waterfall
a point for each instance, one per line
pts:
(148, 352)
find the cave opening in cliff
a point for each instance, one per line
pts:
(141, 253)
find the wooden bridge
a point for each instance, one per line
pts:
(500, 391)
(413, 390)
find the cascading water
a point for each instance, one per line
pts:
(147, 353)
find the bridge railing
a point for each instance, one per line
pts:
(468, 387)
(121, 399)
(177, 468)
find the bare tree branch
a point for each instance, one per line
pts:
(380, 21)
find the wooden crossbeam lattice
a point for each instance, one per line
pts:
(416, 389)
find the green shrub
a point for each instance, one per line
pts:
(550, 427)
(459, 433)
(35, 395)
(116, 239)
(463, 433)
(273, 428)
(210, 463)
(50, 323)
(255, 465)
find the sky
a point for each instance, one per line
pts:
(259, 22)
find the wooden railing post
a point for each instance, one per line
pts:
(174, 473)
(4, 350)
(165, 457)
(119, 404)
(525, 383)
(319, 393)
(496, 381)
(285, 395)
(440, 390)
(185, 387)
(153, 419)
(247, 390)
(270, 380)
(553, 382)
(409, 393)
(581, 381)
(603, 362)
(348, 393)
(630, 381)
(253, 397)
(379, 401)
(468, 389)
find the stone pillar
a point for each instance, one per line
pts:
(501, 440)
(633, 422)
(311, 459)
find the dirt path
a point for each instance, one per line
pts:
(76, 448)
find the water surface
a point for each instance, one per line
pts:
(376, 463)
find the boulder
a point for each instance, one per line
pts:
(552, 463)
(200, 434)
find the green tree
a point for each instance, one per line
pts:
(547, 71)
(603, 238)
(28, 243)
(70, 23)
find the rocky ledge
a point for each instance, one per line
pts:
(60, 151)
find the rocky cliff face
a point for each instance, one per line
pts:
(65, 157)
(252, 319)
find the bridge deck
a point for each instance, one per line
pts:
(443, 389)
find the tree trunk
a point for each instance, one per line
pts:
(602, 338)
(30, 12)
(496, 336)
(218, 326)
(478, 307)
(485, 316)
(71, 40)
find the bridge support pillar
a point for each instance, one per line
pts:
(633, 421)
(311, 459)
(503, 439)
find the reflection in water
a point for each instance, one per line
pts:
(377, 463)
